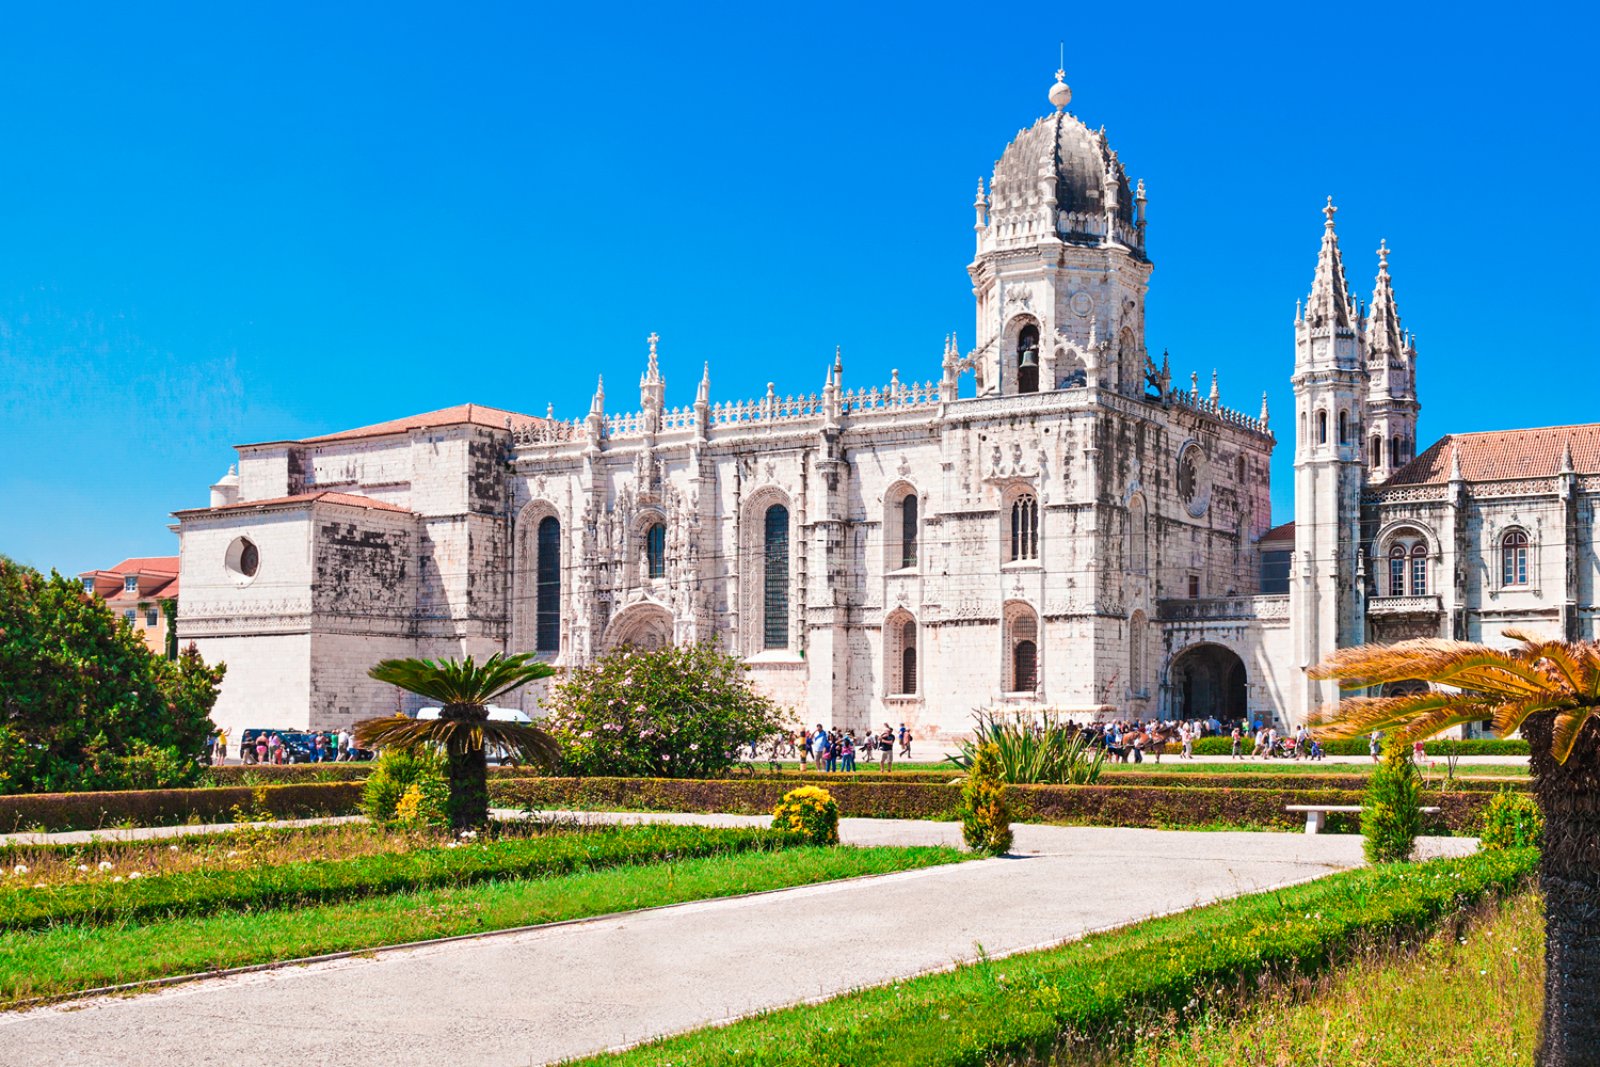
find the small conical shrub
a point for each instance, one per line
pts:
(985, 816)
(1391, 816)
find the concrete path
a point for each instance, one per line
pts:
(546, 995)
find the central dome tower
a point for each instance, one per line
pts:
(1060, 272)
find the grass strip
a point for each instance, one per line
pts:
(1035, 1004)
(63, 960)
(100, 900)
(1466, 998)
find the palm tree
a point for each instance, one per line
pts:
(463, 728)
(1551, 691)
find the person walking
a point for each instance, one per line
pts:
(1374, 742)
(262, 748)
(847, 750)
(905, 742)
(886, 748)
(819, 748)
(1186, 735)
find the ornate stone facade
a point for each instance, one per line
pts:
(1051, 521)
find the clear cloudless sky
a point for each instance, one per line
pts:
(229, 223)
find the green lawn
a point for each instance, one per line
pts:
(1471, 999)
(60, 960)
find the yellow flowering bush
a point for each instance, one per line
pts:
(809, 812)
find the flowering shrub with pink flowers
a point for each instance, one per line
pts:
(680, 712)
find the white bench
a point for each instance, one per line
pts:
(1317, 814)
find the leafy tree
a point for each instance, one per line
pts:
(1550, 690)
(463, 689)
(676, 712)
(1391, 815)
(84, 704)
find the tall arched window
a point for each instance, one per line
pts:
(908, 531)
(1397, 570)
(1394, 451)
(1136, 652)
(1514, 558)
(1022, 637)
(655, 550)
(1419, 569)
(775, 598)
(1375, 453)
(1138, 532)
(1322, 427)
(1025, 527)
(1028, 359)
(547, 605)
(908, 658)
(1344, 427)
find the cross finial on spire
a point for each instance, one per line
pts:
(1329, 212)
(1383, 254)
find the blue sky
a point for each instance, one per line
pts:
(224, 226)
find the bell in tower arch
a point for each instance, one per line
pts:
(1028, 360)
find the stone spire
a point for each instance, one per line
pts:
(1329, 302)
(702, 406)
(1266, 419)
(1383, 321)
(1216, 396)
(652, 387)
(1567, 466)
(595, 425)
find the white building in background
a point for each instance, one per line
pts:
(1052, 520)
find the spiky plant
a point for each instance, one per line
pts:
(1050, 753)
(1550, 690)
(462, 689)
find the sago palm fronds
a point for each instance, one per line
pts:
(1502, 685)
(462, 689)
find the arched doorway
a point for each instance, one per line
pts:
(1207, 681)
(643, 626)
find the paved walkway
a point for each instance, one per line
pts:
(546, 995)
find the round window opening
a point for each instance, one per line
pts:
(1194, 480)
(244, 559)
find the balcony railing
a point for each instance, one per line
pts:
(1404, 605)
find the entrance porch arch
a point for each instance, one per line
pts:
(1207, 680)
(644, 626)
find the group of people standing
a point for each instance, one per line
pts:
(837, 750)
(268, 747)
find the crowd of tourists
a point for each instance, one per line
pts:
(1132, 741)
(272, 747)
(842, 750)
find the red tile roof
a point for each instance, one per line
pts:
(1279, 533)
(147, 565)
(1503, 454)
(347, 499)
(461, 414)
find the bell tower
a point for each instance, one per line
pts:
(1059, 273)
(1392, 404)
(1330, 393)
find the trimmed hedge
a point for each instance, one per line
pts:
(1301, 781)
(167, 807)
(1357, 746)
(325, 881)
(1098, 805)
(275, 774)
(1046, 1006)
